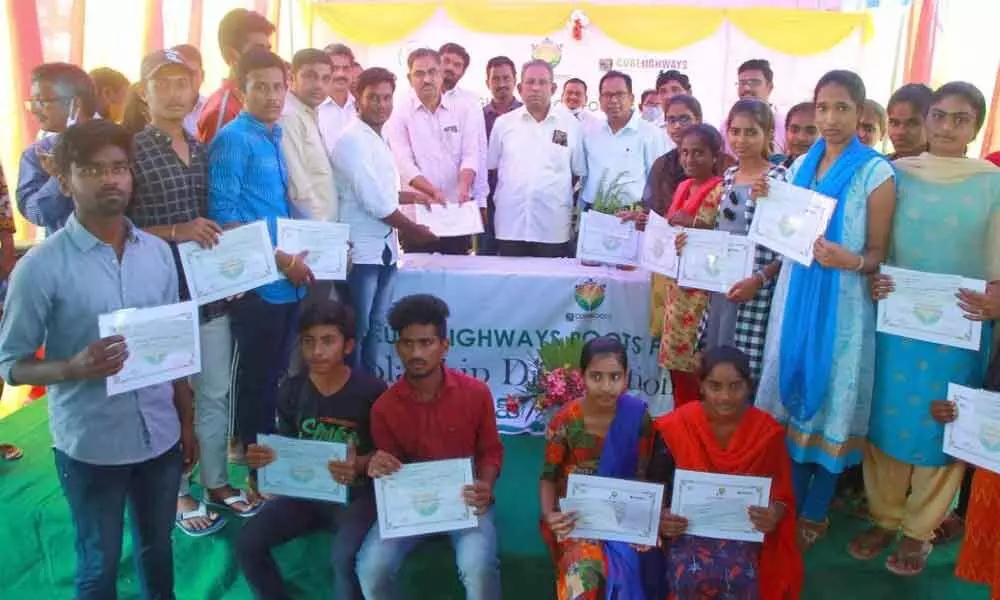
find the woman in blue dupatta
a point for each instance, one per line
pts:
(819, 353)
(607, 433)
(946, 222)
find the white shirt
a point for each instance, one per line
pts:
(310, 174)
(437, 145)
(629, 154)
(191, 121)
(368, 187)
(481, 187)
(535, 163)
(333, 118)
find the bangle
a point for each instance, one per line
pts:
(861, 264)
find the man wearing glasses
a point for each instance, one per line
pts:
(61, 94)
(756, 80)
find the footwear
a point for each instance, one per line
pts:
(199, 513)
(10, 452)
(910, 558)
(810, 532)
(230, 503)
(950, 530)
(870, 543)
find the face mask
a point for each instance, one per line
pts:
(652, 113)
(71, 121)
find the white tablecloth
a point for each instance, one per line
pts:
(503, 309)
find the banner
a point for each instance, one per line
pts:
(504, 309)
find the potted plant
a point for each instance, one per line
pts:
(556, 380)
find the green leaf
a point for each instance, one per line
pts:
(613, 197)
(562, 352)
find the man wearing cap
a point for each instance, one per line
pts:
(170, 201)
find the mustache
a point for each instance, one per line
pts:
(110, 191)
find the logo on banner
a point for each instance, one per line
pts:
(623, 63)
(548, 51)
(589, 295)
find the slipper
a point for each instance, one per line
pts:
(10, 452)
(809, 532)
(201, 512)
(894, 566)
(950, 530)
(241, 498)
(870, 543)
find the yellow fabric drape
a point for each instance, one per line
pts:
(374, 24)
(799, 32)
(655, 28)
(510, 19)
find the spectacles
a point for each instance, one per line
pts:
(609, 96)
(43, 103)
(750, 83)
(95, 171)
(683, 120)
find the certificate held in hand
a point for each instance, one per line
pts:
(449, 220)
(605, 239)
(423, 498)
(325, 243)
(300, 469)
(241, 261)
(716, 505)
(790, 220)
(975, 435)
(714, 261)
(659, 250)
(616, 510)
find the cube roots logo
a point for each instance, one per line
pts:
(547, 50)
(589, 295)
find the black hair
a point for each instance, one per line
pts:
(690, 102)
(256, 59)
(237, 25)
(758, 64)
(422, 53)
(666, 77)
(969, 93)
(725, 355)
(849, 80)
(374, 76)
(457, 49)
(420, 309)
(329, 313)
(136, 115)
(79, 143)
(310, 56)
(616, 75)
(917, 95)
(500, 61)
(76, 81)
(805, 107)
(875, 107)
(339, 50)
(576, 80)
(760, 112)
(646, 94)
(191, 54)
(712, 138)
(605, 344)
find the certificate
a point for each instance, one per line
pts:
(790, 220)
(163, 344)
(975, 435)
(714, 260)
(659, 252)
(426, 497)
(241, 261)
(450, 220)
(326, 243)
(616, 510)
(922, 306)
(716, 505)
(605, 239)
(300, 469)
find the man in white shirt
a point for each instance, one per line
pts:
(310, 175)
(338, 110)
(756, 80)
(436, 141)
(454, 62)
(619, 152)
(574, 100)
(536, 151)
(368, 187)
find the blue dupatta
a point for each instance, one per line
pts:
(809, 330)
(620, 459)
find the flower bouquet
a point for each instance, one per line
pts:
(557, 380)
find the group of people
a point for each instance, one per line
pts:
(783, 376)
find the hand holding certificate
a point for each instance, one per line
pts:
(922, 306)
(716, 506)
(616, 510)
(300, 469)
(714, 260)
(605, 239)
(449, 220)
(163, 344)
(325, 243)
(423, 498)
(659, 252)
(241, 261)
(974, 435)
(790, 220)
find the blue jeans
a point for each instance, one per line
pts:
(97, 497)
(814, 490)
(371, 293)
(475, 552)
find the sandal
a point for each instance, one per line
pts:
(916, 555)
(810, 532)
(950, 530)
(870, 543)
(10, 452)
(230, 503)
(199, 513)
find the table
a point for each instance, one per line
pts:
(503, 309)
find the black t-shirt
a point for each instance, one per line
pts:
(342, 417)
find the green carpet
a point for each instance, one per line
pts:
(37, 557)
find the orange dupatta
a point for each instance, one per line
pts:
(686, 202)
(757, 448)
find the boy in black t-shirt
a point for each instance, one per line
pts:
(328, 402)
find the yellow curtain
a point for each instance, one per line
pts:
(799, 32)
(374, 24)
(510, 19)
(655, 28)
